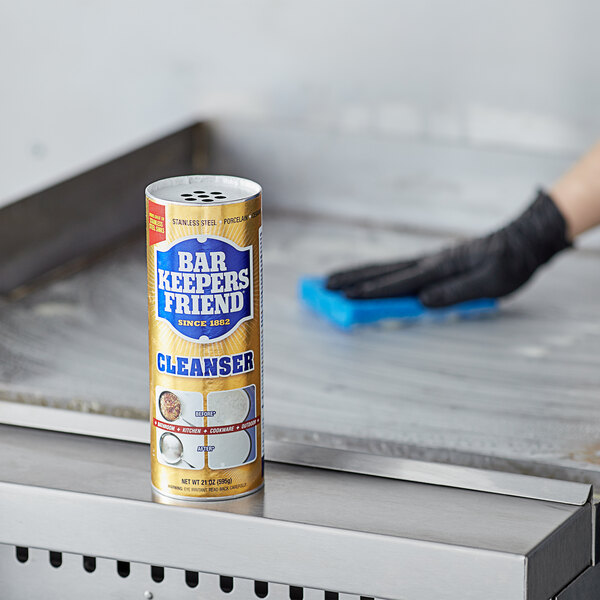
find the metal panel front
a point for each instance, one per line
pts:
(309, 527)
(255, 548)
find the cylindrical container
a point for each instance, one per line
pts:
(205, 328)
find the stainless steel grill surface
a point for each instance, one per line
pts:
(517, 392)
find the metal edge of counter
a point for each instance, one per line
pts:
(494, 482)
(292, 553)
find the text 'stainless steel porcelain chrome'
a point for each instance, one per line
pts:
(204, 314)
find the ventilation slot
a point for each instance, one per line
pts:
(261, 589)
(226, 584)
(191, 578)
(22, 554)
(296, 593)
(89, 563)
(55, 559)
(177, 584)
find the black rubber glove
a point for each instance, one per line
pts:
(489, 267)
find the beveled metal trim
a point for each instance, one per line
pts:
(71, 421)
(493, 482)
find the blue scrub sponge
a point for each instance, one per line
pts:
(345, 313)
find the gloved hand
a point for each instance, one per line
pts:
(488, 267)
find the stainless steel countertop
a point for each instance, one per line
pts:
(318, 528)
(518, 392)
(397, 508)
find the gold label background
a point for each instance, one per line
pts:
(247, 336)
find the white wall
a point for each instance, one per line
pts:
(82, 81)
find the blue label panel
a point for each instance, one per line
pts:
(204, 287)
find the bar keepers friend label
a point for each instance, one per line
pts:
(204, 287)
(204, 314)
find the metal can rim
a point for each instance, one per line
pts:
(156, 186)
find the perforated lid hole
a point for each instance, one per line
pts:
(186, 195)
(220, 197)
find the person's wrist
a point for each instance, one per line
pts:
(561, 196)
(541, 231)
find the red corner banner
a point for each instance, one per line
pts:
(157, 231)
